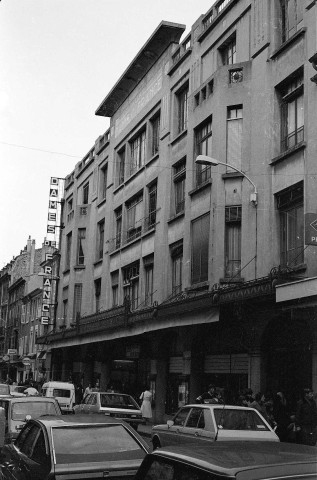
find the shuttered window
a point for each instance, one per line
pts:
(234, 136)
(200, 248)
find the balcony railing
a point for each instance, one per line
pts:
(293, 139)
(127, 236)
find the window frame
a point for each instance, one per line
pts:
(203, 133)
(179, 184)
(290, 93)
(85, 191)
(182, 96)
(81, 235)
(233, 230)
(138, 151)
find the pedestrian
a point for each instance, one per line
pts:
(78, 393)
(258, 404)
(284, 425)
(88, 390)
(306, 418)
(146, 406)
(31, 390)
(208, 397)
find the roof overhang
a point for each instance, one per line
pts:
(165, 34)
(304, 288)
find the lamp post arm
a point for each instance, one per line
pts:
(242, 173)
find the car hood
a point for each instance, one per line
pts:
(73, 471)
(127, 411)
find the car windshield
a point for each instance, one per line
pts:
(80, 444)
(35, 409)
(16, 388)
(116, 400)
(4, 389)
(231, 419)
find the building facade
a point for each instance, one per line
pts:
(175, 274)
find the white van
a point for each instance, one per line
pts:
(64, 393)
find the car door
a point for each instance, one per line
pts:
(84, 407)
(35, 463)
(173, 434)
(197, 427)
(94, 405)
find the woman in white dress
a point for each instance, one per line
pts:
(146, 407)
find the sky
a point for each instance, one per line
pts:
(58, 60)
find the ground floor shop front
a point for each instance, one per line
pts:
(258, 346)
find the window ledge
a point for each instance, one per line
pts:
(288, 43)
(98, 262)
(201, 187)
(79, 267)
(179, 61)
(126, 245)
(176, 217)
(288, 153)
(178, 137)
(101, 202)
(231, 280)
(155, 157)
(301, 267)
(67, 270)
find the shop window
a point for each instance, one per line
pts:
(200, 249)
(233, 241)
(203, 146)
(179, 178)
(290, 203)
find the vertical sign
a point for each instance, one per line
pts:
(54, 209)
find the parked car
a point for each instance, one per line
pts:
(64, 392)
(117, 405)
(4, 389)
(17, 390)
(231, 460)
(74, 447)
(18, 410)
(210, 423)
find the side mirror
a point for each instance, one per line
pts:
(170, 423)
(2, 426)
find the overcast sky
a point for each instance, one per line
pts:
(58, 60)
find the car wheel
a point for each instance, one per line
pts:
(156, 443)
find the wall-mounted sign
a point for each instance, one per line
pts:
(311, 229)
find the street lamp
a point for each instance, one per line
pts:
(205, 160)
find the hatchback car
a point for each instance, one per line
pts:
(18, 410)
(231, 461)
(74, 447)
(117, 405)
(210, 423)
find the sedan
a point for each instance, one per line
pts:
(210, 423)
(117, 405)
(73, 447)
(231, 461)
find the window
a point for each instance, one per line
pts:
(292, 113)
(100, 239)
(97, 293)
(234, 136)
(232, 241)
(70, 209)
(115, 288)
(182, 109)
(131, 284)
(81, 246)
(155, 124)
(292, 17)
(177, 268)
(85, 193)
(118, 219)
(179, 177)
(65, 309)
(148, 263)
(78, 288)
(137, 153)
(103, 181)
(134, 217)
(290, 205)
(200, 249)
(203, 146)
(152, 200)
(68, 250)
(222, 5)
(120, 166)
(228, 51)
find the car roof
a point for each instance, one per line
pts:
(219, 405)
(232, 457)
(27, 399)
(59, 384)
(88, 419)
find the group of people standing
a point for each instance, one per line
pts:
(298, 426)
